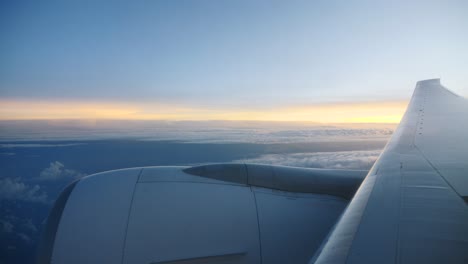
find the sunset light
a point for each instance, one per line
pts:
(365, 112)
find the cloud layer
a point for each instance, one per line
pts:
(359, 160)
(199, 131)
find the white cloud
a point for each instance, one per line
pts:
(21, 228)
(28, 225)
(274, 134)
(360, 160)
(26, 145)
(189, 131)
(7, 227)
(24, 237)
(10, 223)
(57, 171)
(15, 189)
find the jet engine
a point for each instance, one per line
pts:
(221, 213)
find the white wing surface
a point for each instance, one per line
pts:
(411, 208)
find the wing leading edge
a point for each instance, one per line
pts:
(411, 208)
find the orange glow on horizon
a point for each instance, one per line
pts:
(366, 112)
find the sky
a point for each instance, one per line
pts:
(319, 61)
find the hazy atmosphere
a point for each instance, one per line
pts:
(234, 60)
(91, 86)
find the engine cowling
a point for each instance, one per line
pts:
(224, 213)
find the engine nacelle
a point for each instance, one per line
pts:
(228, 213)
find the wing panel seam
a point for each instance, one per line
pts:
(129, 214)
(437, 171)
(258, 218)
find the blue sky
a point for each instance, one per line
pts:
(229, 54)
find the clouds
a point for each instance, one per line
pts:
(17, 227)
(188, 131)
(28, 145)
(24, 237)
(7, 227)
(57, 171)
(23, 202)
(15, 189)
(360, 160)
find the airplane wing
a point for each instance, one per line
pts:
(411, 208)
